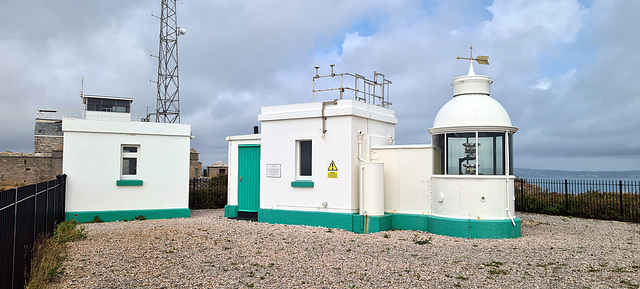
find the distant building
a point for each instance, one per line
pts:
(45, 163)
(216, 169)
(118, 169)
(195, 166)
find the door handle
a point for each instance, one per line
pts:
(241, 179)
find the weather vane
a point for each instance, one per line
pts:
(480, 58)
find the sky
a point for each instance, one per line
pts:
(562, 69)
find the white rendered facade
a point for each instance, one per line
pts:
(283, 126)
(103, 180)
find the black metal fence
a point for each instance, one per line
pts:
(26, 213)
(595, 199)
(208, 193)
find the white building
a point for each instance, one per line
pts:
(334, 164)
(119, 169)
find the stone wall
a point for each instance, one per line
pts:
(47, 144)
(20, 169)
(47, 135)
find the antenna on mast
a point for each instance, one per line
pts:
(168, 84)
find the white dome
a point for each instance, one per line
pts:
(472, 110)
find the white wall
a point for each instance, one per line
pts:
(106, 115)
(283, 125)
(92, 162)
(462, 196)
(407, 177)
(232, 176)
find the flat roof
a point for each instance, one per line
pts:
(107, 97)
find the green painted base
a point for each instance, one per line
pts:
(371, 224)
(230, 211)
(463, 228)
(350, 222)
(110, 216)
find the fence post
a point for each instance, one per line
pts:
(521, 193)
(621, 209)
(13, 249)
(566, 196)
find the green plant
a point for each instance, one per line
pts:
(495, 264)
(629, 284)
(68, 231)
(140, 218)
(498, 272)
(421, 241)
(49, 253)
(96, 219)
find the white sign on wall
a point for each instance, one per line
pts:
(273, 170)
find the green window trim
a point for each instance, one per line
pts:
(129, 183)
(302, 184)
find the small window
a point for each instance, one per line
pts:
(110, 105)
(304, 158)
(130, 155)
(129, 149)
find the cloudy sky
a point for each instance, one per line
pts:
(564, 69)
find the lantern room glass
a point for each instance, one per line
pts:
(472, 153)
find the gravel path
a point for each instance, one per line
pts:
(209, 251)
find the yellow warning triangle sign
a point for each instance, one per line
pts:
(332, 167)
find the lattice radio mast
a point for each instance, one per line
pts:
(168, 104)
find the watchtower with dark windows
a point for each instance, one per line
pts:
(98, 107)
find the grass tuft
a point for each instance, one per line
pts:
(49, 253)
(96, 219)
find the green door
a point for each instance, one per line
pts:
(248, 178)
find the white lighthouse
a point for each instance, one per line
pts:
(335, 164)
(472, 180)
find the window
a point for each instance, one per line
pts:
(510, 147)
(438, 154)
(461, 153)
(304, 158)
(490, 153)
(112, 105)
(474, 153)
(130, 155)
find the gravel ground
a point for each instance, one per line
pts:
(209, 251)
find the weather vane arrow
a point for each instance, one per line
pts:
(481, 59)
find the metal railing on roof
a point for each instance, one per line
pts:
(374, 91)
(59, 115)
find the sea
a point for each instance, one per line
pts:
(577, 175)
(580, 181)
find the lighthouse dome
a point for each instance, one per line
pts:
(472, 106)
(472, 110)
